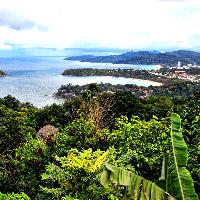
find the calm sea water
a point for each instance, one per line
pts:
(36, 79)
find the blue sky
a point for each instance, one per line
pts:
(127, 24)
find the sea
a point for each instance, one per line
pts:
(35, 79)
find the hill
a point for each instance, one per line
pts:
(144, 58)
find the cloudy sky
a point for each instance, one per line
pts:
(131, 24)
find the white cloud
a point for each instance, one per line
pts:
(105, 23)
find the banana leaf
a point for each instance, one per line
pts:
(138, 188)
(181, 183)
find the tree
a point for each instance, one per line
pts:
(75, 175)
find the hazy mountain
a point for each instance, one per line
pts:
(144, 57)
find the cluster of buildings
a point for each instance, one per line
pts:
(179, 72)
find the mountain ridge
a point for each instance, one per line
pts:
(144, 57)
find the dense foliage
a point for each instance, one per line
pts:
(175, 178)
(182, 90)
(95, 128)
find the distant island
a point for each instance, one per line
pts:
(185, 57)
(2, 73)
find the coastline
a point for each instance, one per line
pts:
(140, 75)
(155, 83)
(147, 81)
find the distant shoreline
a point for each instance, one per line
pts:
(155, 83)
(170, 59)
(144, 75)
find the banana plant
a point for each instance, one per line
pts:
(175, 178)
(179, 180)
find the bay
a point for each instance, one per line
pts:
(36, 79)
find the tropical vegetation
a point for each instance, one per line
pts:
(129, 139)
(181, 90)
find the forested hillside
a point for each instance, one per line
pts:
(60, 151)
(180, 90)
(144, 58)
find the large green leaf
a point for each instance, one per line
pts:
(181, 183)
(138, 187)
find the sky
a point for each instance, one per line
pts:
(126, 24)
